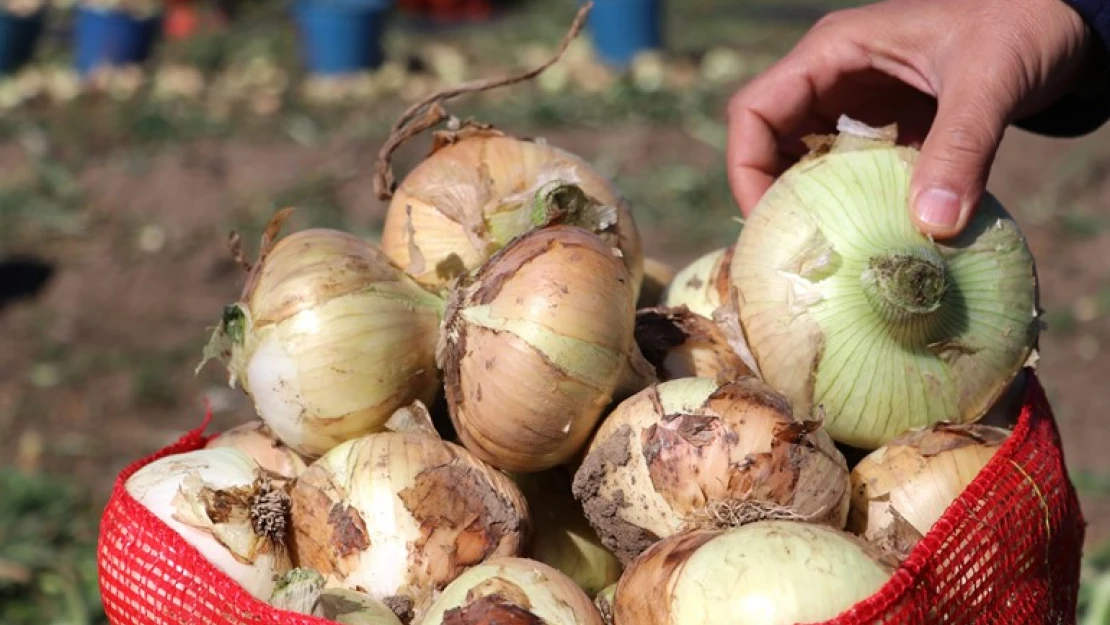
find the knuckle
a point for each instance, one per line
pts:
(966, 139)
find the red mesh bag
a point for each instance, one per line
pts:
(1006, 551)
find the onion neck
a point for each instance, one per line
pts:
(559, 202)
(905, 286)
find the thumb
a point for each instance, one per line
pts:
(951, 172)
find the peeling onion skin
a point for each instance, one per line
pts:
(331, 339)
(764, 573)
(844, 304)
(702, 285)
(512, 591)
(901, 490)
(256, 440)
(538, 346)
(683, 344)
(440, 220)
(692, 453)
(399, 515)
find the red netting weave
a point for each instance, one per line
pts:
(1006, 552)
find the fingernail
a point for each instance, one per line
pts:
(938, 207)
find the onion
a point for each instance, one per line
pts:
(256, 440)
(691, 453)
(302, 590)
(765, 573)
(512, 591)
(657, 275)
(398, 515)
(682, 344)
(844, 304)
(537, 346)
(220, 502)
(901, 489)
(328, 338)
(702, 285)
(563, 537)
(480, 189)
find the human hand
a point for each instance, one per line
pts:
(953, 74)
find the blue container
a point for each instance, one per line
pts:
(112, 38)
(620, 29)
(342, 36)
(19, 34)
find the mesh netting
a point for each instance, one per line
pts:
(1007, 551)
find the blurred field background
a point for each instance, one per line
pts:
(116, 199)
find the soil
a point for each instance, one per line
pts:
(97, 366)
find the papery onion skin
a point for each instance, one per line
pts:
(161, 485)
(329, 338)
(256, 440)
(512, 591)
(702, 285)
(693, 453)
(846, 305)
(399, 515)
(468, 199)
(563, 537)
(682, 344)
(537, 346)
(901, 490)
(764, 573)
(604, 603)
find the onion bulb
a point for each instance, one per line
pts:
(765, 573)
(702, 285)
(901, 489)
(691, 453)
(512, 591)
(256, 440)
(398, 515)
(846, 305)
(683, 344)
(563, 538)
(302, 590)
(537, 346)
(220, 502)
(482, 189)
(328, 339)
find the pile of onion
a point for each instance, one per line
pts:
(844, 304)
(256, 440)
(691, 453)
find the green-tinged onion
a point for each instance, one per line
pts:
(302, 590)
(328, 338)
(765, 573)
(844, 304)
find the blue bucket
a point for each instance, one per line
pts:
(107, 37)
(19, 34)
(621, 29)
(342, 36)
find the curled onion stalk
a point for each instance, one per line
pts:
(256, 440)
(844, 304)
(224, 505)
(693, 453)
(328, 338)
(563, 537)
(481, 188)
(702, 285)
(683, 344)
(398, 515)
(537, 346)
(901, 490)
(512, 591)
(765, 573)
